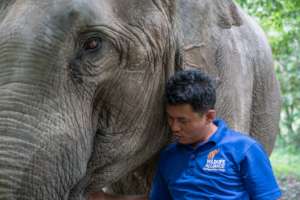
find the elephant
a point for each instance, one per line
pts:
(82, 85)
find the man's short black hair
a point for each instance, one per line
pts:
(191, 87)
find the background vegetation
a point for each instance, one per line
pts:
(280, 19)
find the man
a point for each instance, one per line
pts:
(208, 159)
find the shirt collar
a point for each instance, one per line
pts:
(217, 136)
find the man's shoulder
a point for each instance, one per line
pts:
(236, 145)
(228, 135)
(233, 140)
(237, 142)
(232, 136)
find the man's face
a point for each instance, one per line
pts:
(187, 126)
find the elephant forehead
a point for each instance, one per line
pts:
(133, 9)
(104, 11)
(64, 12)
(131, 12)
(35, 16)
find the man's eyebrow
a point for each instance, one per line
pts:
(183, 118)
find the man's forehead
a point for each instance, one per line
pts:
(182, 110)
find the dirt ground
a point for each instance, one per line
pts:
(290, 188)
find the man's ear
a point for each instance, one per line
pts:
(228, 14)
(210, 115)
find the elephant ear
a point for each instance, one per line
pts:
(168, 7)
(228, 14)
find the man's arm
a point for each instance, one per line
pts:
(258, 176)
(106, 196)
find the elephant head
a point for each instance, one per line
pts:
(81, 85)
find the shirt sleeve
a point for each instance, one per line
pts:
(159, 189)
(258, 175)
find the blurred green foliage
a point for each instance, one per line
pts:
(280, 19)
(286, 166)
(285, 163)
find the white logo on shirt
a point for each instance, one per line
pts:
(214, 164)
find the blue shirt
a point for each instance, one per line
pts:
(229, 165)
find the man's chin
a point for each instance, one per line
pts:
(183, 142)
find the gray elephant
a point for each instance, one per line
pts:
(82, 81)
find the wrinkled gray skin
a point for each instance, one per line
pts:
(81, 85)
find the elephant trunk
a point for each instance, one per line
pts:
(42, 165)
(45, 143)
(44, 149)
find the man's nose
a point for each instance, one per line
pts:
(174, 126)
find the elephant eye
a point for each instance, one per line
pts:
(92, 44)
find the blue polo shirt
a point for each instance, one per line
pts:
(229, 165)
